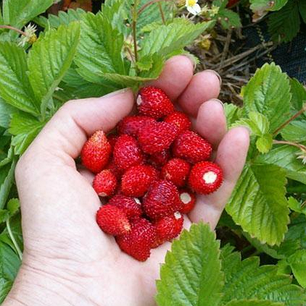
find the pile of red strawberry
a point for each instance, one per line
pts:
(149, 170)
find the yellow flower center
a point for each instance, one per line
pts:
(191, 2)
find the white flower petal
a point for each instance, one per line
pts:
(197, 8)
(194, 10)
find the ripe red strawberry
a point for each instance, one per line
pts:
(112, 139)
(169, 227)
(153, 102)
(95, 152)
(127, 153)
(136, 180)
(159, 159)
(192, 147)
(113, 220)
(114, 168)
(180, 120)
(176, 171)
(205, 177)
(131, 206)
(105, 183)
(188, 199)
(162, 199)
(138, 242)
(130, 125)
(155, 137)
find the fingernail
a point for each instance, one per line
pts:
(247, 128)
(217, 74)
(219, 101)
(118, 92)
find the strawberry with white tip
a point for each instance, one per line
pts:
(188, 199)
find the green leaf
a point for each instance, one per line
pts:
(4, 215)
(298, 92)
(192, 273)
(169, 38)
(49, 59)
(9, 262)
(266, 5)
(283, 267)
(258, 203)
(247, 280)
(284, 25)
(229, 19)
(63, 18)
(5, 113)
(295, 131)
(253, 303)
(232, 113)
(5, 287)
(268, 93)
(297, 263)
(99, 50)
(6, 182)
(264, 143)
(25, 11)
(15, 87)
(296, 206)
(286, 157)
(13, 206)
(302, 9)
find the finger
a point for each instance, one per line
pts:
(211, 121)
(231, 156)
(203, 87)
(76, 120)
(88, 176)
(175, 76)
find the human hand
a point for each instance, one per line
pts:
(67, 259)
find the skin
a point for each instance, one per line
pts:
(67, 259)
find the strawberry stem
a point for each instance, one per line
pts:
(161, 13)
(14, 29)
(8, 226)
(135, 15)
(148, 4)
(297, 145)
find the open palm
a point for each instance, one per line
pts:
(68, 260)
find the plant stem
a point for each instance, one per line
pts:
(297, 145)
(161, 13)
(149, 3)
(12, 28)
(300, 112)
(13, 238)
(135, 15)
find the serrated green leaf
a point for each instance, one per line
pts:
(192, 273)
(258, 203)
(266, 5)
(264, 143)
(286, 157)
(6, 160)
(6, 181)
(232, 113)
(13, 206)
(297, 263)
(175, 36)
(284, 25)
(15, 88)
(229, 19)
(298, 92)
(49, 59)
(268, 93)
(302, 9)
(247, 280)
(296, 206)
(6, 111)
(25, 11)
(99, 50)
(283, 267)
(9, 262)
(4, 215)
(5, 287)
(63, 18)
(295, 131)
(253, 303)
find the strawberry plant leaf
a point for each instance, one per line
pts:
(297, 262)
(9, 262)
(298, 92)
(245, 279)
(5, 287)
(264, 143)
(15, 88)
(232, 113)
(49, 59)
(266, 5)
(284, 25)
(98, 37)
(229, 19)
(13, 206)
(6, 181)
(253, 303)
(25, 11)
(63, 18)
(4, 215)
(268, 93)
(192, 273)
(302, 9)
(295, 131)
(6, 111)
(168, 38)
(286, 157)
(258, 203)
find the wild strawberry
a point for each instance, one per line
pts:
(155, 137)
(113, 220)
(138, 242)
(127, 153)
(188, 199)
(112, 139)
(130, 125)
(169, 227)
(114, 168)
(153, 102)
(136, 180)
(162, 199)
(180, 120)
(105, 183)
(95, 152)
(159, 159)
(190, 146)
(131, 206)
(176, 171)
(205, 177)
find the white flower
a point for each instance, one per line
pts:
(30, 36)
(193, 7)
